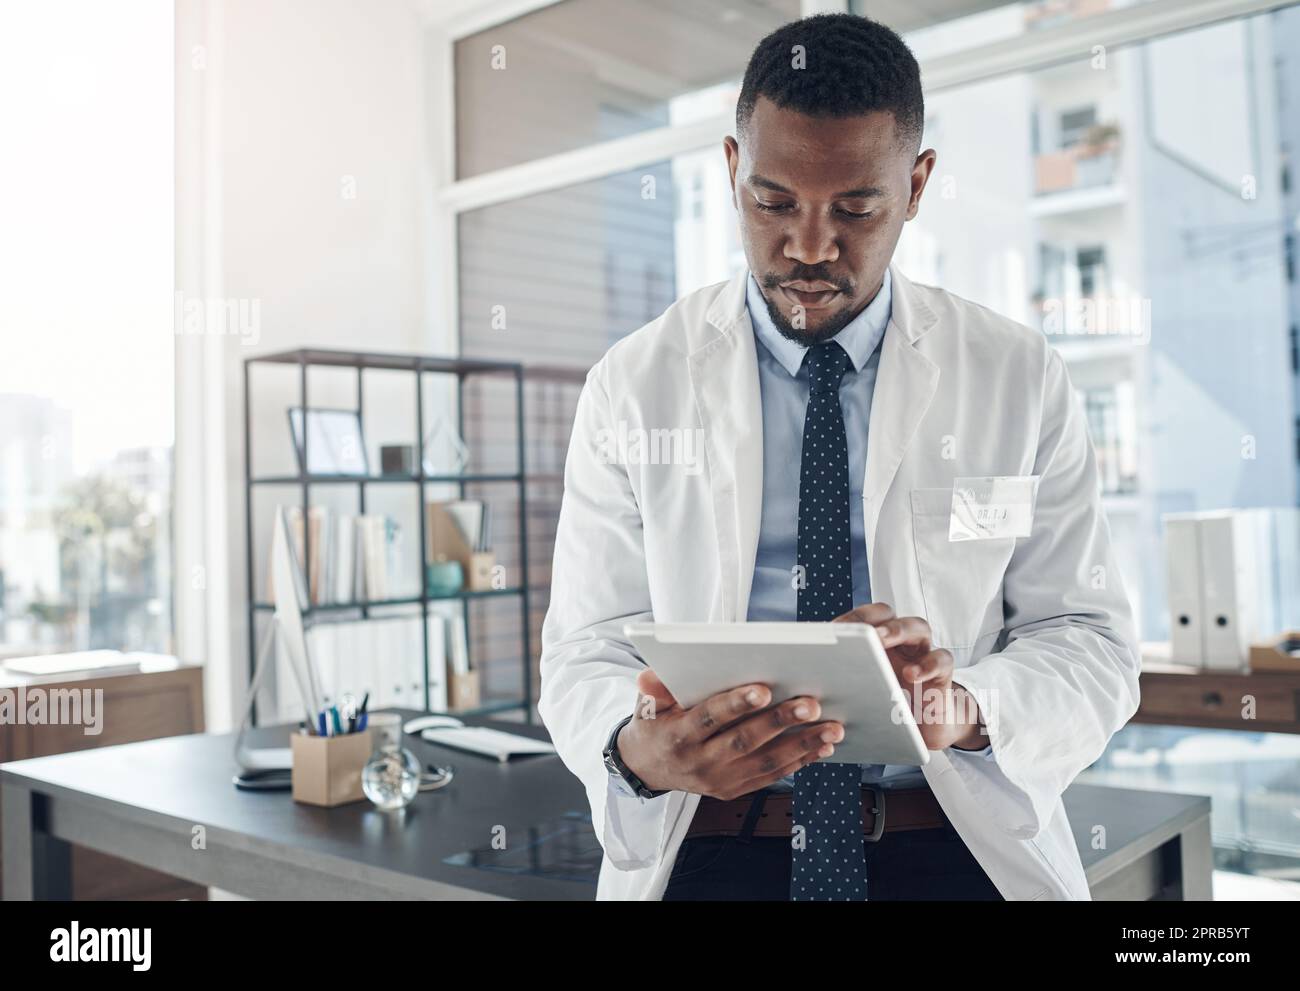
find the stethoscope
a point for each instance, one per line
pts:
(436, 777)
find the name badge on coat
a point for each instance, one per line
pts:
(992, 507)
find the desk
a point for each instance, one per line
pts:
(143, 802)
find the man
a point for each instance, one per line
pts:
(839, 407)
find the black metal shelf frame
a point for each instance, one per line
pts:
(420, 365)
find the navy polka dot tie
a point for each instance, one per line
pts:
(831, 865)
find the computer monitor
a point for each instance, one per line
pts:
(290, 601)
(286, 626)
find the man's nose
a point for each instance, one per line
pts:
(812, 242)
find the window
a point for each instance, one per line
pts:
(1091, 236)
(580, 72)
(1110, 414)
(1253, 780)
(1074, 125)
(1137, 272)
(934, 30)
(1092, 271)
(1159, 252)
(85, 460)
(1051, 271)
(552, 278)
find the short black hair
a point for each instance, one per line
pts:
(851, 66)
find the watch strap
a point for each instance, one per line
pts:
(614, 764)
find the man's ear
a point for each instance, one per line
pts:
(732, 150)
(920, 176)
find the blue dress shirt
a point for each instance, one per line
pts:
(783, 385)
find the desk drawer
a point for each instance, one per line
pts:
(1217, 701)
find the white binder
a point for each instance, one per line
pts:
(1229, 579)
(1183, 583)
(1214, 586)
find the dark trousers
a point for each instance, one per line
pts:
(905, 865)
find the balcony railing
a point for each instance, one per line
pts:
(1091, 163)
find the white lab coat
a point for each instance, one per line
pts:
(1041, 623)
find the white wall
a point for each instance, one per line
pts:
(303, 186)
(321, 118)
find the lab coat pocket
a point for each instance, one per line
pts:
(961, 581)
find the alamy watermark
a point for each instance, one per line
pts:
(624, 445)
(105, 945)
(1120, 317)
(32, 705)
(938, 707)
(218, 315)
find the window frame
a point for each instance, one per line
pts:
(1121, 27)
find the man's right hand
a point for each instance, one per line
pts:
(726, 746)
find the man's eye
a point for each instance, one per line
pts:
(771, 207)
(855, 216)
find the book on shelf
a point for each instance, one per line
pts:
(353, 560)
(353, 557)
(343, 582)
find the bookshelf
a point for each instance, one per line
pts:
(419, 366)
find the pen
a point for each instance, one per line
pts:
(321, 721)
(334, 714)
(349, 709)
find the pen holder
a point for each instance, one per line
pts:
(327, 769)
(481, 564)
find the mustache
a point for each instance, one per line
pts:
(807, 273)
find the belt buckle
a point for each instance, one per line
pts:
(878, 811)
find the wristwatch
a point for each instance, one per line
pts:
(614, 764)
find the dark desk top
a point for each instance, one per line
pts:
(180, 781)
(187, 780)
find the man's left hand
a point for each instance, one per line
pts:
(946, 714)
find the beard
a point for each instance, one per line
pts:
(805, 336)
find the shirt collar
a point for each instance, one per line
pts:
(859, 338)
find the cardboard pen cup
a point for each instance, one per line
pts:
(463, 690)
(327, 769)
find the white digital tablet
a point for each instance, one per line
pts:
(841, 664)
